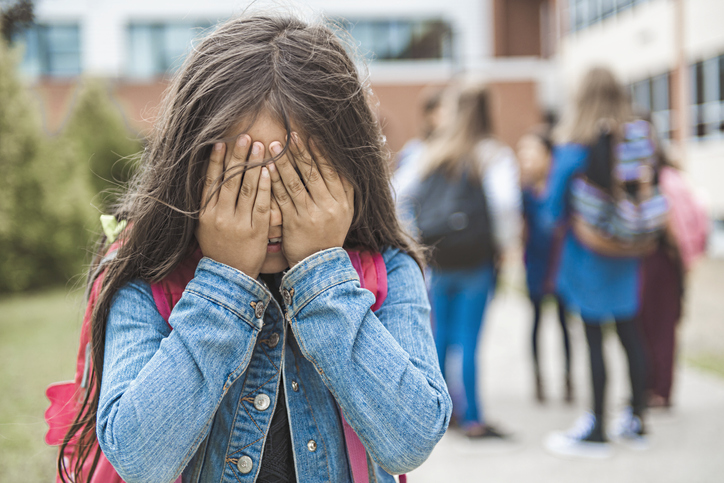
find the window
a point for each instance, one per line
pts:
(51, 50)
(156, 49)
(608, 8)
(401, 39)
(588, 12)
(707, 98)
(653, 96)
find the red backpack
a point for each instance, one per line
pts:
(66, 397)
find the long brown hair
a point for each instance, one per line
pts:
(300, 74)
(452, 147)
(600, 96)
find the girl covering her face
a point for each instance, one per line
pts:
(267, 159)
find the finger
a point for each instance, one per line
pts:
(331, 178)
(262, 203)
(214, 172)
(281, 196)
(289, 176)
(233, 174)
(247, 191)
(309, 171)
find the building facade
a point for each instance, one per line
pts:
(409, 45)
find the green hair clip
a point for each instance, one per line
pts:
(112, 227)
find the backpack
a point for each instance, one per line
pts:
(616, 206)
(688, 219)
(66, 397)
(452, 217)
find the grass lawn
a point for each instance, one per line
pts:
(708, 361)
(38, 343)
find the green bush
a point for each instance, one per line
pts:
(22, 230)
(49, 186)
(98, 132)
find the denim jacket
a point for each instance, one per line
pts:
(197, 401)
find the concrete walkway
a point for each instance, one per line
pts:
(687, 442)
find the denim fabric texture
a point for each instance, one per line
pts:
(191, 401)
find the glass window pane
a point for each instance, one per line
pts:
(177, 43)
(58, 50)
(581, 14)
(402, 39)
(660, 92)
(721, 77)
(711, 80)
(642, 94)
(31, 64)
(594, 11)
(621, 4)
(400, 34)
(156, 49)
(141, 63)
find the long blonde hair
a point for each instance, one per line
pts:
(452, 147)
(600, 96)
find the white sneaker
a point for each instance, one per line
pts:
(580, 440)
(629, 430)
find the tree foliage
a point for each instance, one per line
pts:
(49, 204)
(99, 135)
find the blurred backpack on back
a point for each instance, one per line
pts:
(617, 207)
(688, 218)
(452, 217)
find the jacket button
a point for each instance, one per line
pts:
(312, 445)
(295, 386)
(261, 402)
(259, 310)
(273, 340)
(287, 297)
(244, 464)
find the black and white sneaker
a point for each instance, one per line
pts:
(585, 439)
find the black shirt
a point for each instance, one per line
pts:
(277, 464)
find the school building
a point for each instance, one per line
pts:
(410, 44)
(530, 52)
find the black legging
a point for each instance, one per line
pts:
(630, 339)
(537, 309)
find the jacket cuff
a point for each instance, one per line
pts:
(314, 275)
(234, 290)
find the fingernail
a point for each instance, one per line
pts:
(218, 146)
(275, 148)
(243, 141)
(271, 167)
(264, 172)
(256, 148)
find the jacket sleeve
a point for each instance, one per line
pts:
(161, 388)
(381, 367)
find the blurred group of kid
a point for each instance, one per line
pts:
(641, 294)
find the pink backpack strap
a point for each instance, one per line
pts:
(372, 276)
(168, 291)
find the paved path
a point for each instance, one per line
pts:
(687, 443)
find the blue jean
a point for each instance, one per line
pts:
(459, 298)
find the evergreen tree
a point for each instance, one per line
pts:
(102, 141)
